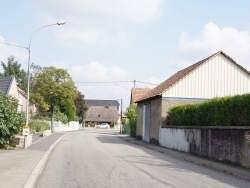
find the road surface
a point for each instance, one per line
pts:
(98, 158)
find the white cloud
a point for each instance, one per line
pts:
(122, 10)
(59, 64)
(233, 42)
(85, 77)
(97, 22)
(95, 71)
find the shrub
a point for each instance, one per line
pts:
(132, 117)
(226, 111)
(39, 126)
(11, 121)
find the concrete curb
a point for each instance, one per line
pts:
(40, 165)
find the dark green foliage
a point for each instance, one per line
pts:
(38, 125)
(13, 68)
(11, 121)
(68, 107)
(132, 116)
(226, 111)
(81, 106)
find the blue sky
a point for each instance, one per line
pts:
(124, 40)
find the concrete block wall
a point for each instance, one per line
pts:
(229, 144)
(20, 141)
(156, 120)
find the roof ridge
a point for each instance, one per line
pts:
(175, 78)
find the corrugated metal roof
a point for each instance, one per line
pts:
(158, 90)
(5, 83)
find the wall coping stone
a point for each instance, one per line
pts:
(208, 127)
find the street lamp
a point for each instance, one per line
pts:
(28, 73)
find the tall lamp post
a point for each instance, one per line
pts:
(28, 73)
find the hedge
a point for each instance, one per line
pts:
(226, 111)
(11, 121)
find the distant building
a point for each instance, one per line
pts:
(102, 111)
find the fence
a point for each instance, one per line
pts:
(126, 129)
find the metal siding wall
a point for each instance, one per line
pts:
(216, 78)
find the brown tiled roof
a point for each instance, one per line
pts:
(102, 114)
(158, 90)
(137, 93)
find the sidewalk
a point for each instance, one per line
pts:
(19, 166)
(237, 171)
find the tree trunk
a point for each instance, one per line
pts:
(52, 120)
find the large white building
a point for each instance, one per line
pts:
(216, 76)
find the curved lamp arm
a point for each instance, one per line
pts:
(28, 72)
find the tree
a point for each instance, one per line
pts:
(81, 106)
(13, 68)
(132, 116)
(11, 121)
(52, 87)
(69, 109)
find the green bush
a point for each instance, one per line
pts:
(11, 121)
(38, 125)
(226, 111)
(132, 117)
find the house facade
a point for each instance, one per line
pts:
(216, 76)
(8, 86)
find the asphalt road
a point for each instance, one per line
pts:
(98, 158)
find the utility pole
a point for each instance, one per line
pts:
(121, 119)
(134, 83)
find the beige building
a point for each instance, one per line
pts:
(8, 86)
(216, 76)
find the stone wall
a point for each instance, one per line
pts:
(19, 140)
(229, 144)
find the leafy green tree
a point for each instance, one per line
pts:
(132, 116)
(69, 109)
(13, 68)
(52, 87)
(11, 121)
(81, 106)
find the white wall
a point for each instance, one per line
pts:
(61, 127)
(218, 77)
(173, 139)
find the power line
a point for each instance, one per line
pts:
(145, 83)
(113, 82)
(14, 45)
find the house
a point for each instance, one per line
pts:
(8, 86)
(216, 76)
(102, 111)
